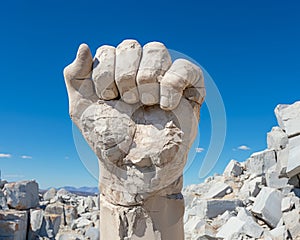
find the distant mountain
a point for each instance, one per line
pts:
(82, 189)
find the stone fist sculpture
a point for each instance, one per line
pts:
(139, 113)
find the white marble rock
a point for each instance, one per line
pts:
(233, 168)
(3, 203)
(268, 205)
(259, 162)
(49, 194)
(288, 117)
(292, 222)
(232, 226)
(218, 190)
(22, 195)
(277, 139)
(293, 165)
(251, 187)
(274, 179)
(13, 224)
(279, 233)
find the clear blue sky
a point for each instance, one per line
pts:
(250, 48)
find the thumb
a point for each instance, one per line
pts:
(80, 68)
(77, 79)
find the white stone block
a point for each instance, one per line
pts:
(277, 139)
(293, 166)
(218, 190)
(233, 225)
(274, 180)
(233, 168)
(288, 117)
(268, 205)
(22, 195)
(13, 224)
(260, 162)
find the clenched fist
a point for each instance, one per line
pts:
(139, 113)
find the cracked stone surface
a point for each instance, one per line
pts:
(139, 113)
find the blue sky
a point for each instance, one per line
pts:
(251, 50)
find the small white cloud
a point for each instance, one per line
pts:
(199, 150)
(13, 176)
(5, 155)
(26, 157)
(244, 148)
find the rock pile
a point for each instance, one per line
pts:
(26, 214)
(255, 199)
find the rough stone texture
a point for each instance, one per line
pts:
(288, 117)
(13, 224)
(70, 235)
(233, 168)
(279, 233)
(2, 183)
(213, 208)
(274, 179)
(282, 161)
(251, 187)
(218, 190)
(3, 203)
(259, 162)
(234, 225)
(293, 166)
(50, 194)
(71, 214)
(292, 222)
(251, 227)
(277, 139)
(268, 205)
(286, 204)
(22, 195)
(36, 223)
(193, 224)
(92, 233)
(124, 219)
(203, 232)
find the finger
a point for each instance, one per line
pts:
(128, 56)
(181, 75)
(155, 61)
(104, 73)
